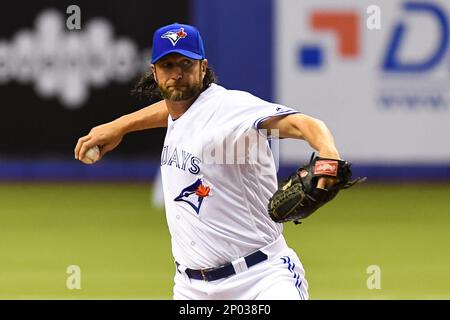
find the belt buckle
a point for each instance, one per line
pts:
(202, 272)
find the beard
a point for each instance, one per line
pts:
(180, 93)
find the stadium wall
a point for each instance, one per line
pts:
(388, 108)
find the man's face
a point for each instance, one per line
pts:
(178, 77)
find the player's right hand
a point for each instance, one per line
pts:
(107, 136)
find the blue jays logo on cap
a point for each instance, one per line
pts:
(174, 35)
(178, 38)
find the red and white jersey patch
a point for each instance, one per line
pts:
(326, 167)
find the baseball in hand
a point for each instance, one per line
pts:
(92, 155)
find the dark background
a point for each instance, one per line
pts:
(32, 126)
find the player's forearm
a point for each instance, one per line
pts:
(153, 116)
(317, 134)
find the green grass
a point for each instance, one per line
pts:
(122, 244)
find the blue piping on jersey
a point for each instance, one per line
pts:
(296, 275)
(259, 120)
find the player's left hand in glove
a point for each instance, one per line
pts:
(298, 196)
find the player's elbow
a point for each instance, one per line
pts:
(315, 125)
(315, 122)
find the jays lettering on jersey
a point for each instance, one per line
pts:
(217, 210)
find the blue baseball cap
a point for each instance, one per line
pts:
(177, 38)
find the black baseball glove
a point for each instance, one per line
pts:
(298, 196)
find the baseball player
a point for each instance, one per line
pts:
(224, 242)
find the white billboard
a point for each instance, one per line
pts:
(384, 93)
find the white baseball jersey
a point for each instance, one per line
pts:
(218, 174)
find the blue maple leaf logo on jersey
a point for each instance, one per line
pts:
(194, 194)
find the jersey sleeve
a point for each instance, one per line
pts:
(248, 112)
(271, 110)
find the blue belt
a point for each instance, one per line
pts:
(225, 271)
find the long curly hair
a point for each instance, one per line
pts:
(147, 88)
